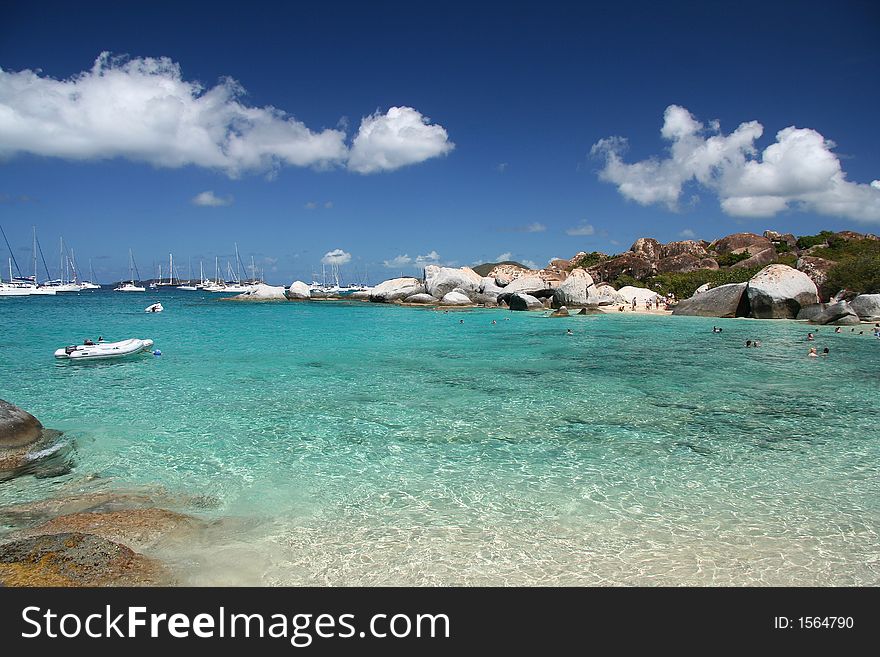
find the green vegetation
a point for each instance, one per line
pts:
(841, 249)
(684, 284)
(789, 259)
(860, 275)
(826, 236)
(857, 268)
(782, 247)
(728, 259)
(588, 260)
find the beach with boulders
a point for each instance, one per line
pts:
(783, 281)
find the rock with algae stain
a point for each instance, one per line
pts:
(76, 559)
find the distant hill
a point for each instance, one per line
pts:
(486, 267)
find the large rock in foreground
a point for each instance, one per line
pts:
(779, 292)
(26, 447)
(439, 281)
(76, 559)
(18, 428)
(722, 301)
(396, 289)
(574, 291)
(867, 307)
(299, 291)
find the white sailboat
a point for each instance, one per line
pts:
(90, 284)
(236, 286)
(36, 289)
(13, 288)
(130, 286)
(63, 283)
(216, 285)
(188, 285)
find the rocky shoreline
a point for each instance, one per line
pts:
(97, 538)
(776, 291)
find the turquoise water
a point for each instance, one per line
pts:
(351, 443)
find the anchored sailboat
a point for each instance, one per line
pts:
(130, 286)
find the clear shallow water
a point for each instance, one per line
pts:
(365, 444)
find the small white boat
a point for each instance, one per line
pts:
(130, 287)
(104, 350)
(155, 308)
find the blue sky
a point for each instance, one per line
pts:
(501, 151)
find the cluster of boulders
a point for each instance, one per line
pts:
(778, 292)
(648, 257)
(446, 286)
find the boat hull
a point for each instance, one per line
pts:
(104, 350)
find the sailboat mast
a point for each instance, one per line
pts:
(170, 269)
(35, 255)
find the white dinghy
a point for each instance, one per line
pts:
(104, 350)
(155, 308)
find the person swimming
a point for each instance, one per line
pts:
(825, 351)
(756, 343)
(812, 353)
(748, 343)
(810, 336)
(568, 332)
(716, 329)
(494, 322)
(837, 330)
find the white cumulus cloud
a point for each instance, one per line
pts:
(582, 229)
(431, 258)
(398, 261)
(798, 171)
(688, 234)
(401, 136)
(143, 109)
(211, 200)
(336, 257)
(507, 255)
